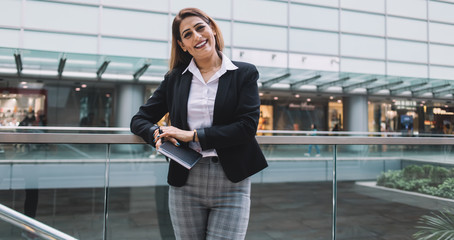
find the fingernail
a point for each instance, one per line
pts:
(178, 144)
(158, 136)
(154, 140)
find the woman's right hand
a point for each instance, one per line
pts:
(159, 140)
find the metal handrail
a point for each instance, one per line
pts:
(31, 225)
(84, 138)
(274, 132)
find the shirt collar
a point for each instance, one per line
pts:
(226, 65)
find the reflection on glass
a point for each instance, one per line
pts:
(59, 185)
(384, 191)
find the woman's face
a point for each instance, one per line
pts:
(197, 37)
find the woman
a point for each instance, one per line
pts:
(214, 108)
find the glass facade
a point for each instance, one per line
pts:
(390, 41)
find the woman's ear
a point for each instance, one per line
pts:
(181, 45)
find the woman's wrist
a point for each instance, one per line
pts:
(194, 135)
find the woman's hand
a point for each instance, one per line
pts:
(173, 135)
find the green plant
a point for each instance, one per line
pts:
(413, 172)
(426, 179)
(427, 170)
(438, 175)
(436, 226)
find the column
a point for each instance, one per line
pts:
(355, 113)
(130, 98)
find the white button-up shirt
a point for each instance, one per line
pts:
(201, 100)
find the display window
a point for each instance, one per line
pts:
(23, 107)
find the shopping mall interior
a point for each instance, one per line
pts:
(74, 72)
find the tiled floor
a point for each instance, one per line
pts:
(279, 211)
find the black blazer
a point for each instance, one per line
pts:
(235, 120)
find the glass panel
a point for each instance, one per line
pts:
(125, 23)
(305, 61)
(441, 72)
(80, 1)
(362, 66)
(357, 46)
(292, 182)
(441, 33)
(60, 42)
(60, 185)
(61, 17)
(365, 5)
(257, 36)
(407, 70)
(226, 30)
(10, 13)
(138, 193)
(159, 5)
(407, 8)
(331, 3)
(362, 23)
(220, 9)
(134, 48)
(314, 42)
(314, 17)
(408, 29)
(440, 54)
(440, 11)
(385, 191)
(10, 38)
(261, 58)
(407, 51)
(264, 11)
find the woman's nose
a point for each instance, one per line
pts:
(197, 35)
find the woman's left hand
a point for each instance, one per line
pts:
(174, 134)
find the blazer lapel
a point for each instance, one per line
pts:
(221, 94)
(184, 88)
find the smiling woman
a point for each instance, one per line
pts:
(214, 108)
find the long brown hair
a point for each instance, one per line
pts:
(178, 57)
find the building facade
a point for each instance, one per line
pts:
(357, 65)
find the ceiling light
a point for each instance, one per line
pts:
(276, 98)
(39, 72)
(150, 78)
(40, 60)
(308, 99)
(331, 97)
(77, 89)
(83, 85)
(79, 74)
(8, 70)
(297, 96)
(80, 62)
(117, 76)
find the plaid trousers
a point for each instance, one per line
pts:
(210, 206)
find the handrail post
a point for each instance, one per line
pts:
(106, 192)
(334, 193)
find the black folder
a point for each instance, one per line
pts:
(185, 156)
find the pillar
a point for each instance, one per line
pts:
(355, 113)
(130, 98)
(355, 119)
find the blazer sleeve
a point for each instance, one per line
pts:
(143, 123)
(243, 125)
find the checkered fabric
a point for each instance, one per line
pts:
(210, 206)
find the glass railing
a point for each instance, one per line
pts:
(113, 186)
